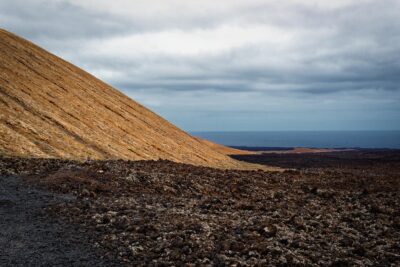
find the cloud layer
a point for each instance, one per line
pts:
(233, 65)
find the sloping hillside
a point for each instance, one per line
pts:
(225, 149)
(51, 108)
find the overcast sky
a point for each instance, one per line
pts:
(232, 65)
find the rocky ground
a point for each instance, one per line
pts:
(163, 213)
(30, 237)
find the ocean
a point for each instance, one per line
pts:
(312, 139)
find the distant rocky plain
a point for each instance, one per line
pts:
(338, 208)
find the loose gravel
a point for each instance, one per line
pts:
(160, 213)
(29, 237)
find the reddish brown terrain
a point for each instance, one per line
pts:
(342, 211)
(225, 149)
(50, 108)
(302, 150)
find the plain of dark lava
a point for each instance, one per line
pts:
(342, 211)
(29, 237)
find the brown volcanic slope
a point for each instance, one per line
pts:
(224, 149)
(51, 108)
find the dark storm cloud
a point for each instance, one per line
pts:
(245, 53)
(342, 48)
(39, 19)
(311, 74)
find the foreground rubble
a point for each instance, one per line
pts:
(164, 213)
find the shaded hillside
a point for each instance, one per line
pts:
(50, 108)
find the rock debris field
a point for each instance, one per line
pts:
(160, 213)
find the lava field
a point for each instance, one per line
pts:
(160, 213)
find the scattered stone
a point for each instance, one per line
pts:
(163, 213)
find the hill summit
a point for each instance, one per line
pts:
(50, 108)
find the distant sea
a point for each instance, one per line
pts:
(312, 139)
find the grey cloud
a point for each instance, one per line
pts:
(351, 50)
(58, 20)
(216, 74)
(376, 22)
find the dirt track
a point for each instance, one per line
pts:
(29, 237)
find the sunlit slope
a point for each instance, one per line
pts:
(51, 108)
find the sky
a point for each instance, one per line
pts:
(232, 65)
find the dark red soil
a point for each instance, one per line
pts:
(164, 213)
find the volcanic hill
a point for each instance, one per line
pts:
(52, 109)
